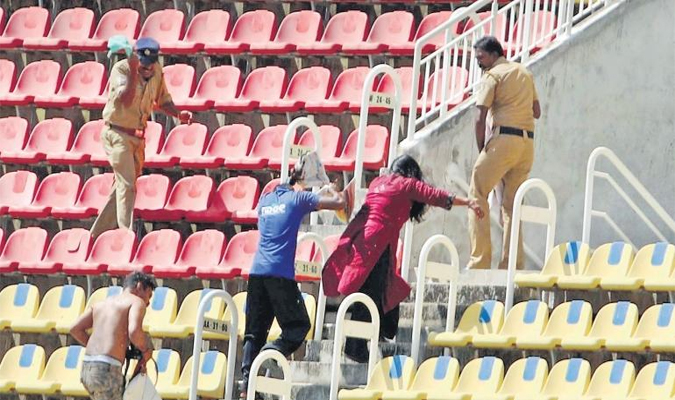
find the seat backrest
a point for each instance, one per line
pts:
(25, 245)
(655, 380)
(330, 141)
(527, 316)
(88, 139)
(241, 250)
(168, 367)
(457, 80)
(159, 247)
(615, 320)
(154, 138)
(191, 193)
(23, 363)
(53, 135)
(405, 74)
(239, 193)
(571, 319)
(95, 191)
(481, 376)
(211, 380)
(73, 24)
(611, 260)
(39, 78)
(162, 309)
(300, 27)
(309, 84)
(58, 190)
(254, 27)
(542, 24)
(203, 248)
(114, 246)
(28, 22)
(430, 22)
(18, 188)
(656, 322)
(122, 21)
(349, 84)
(612, 379)
(19, 301)
(653, 261)
(346, 27)
(501, 25)
(62, 304)
(266, 83)
(101, 294)
(436, 375)
(482, 317)
(64, 365)
(85, 79)
(331, 243)
(269, 142)
(188, 309)
(568, 377)
(209, 26)
(376, 145)
(164, 26)
(392, 373)
(7, 76)
(69, 246)
(14, 134)
(392, 27)
(567, 259)
(269, 186)
(219, 83)
(180, 80)
(230, 141)
(525, 377)
(186, 140)
(2, 19)
(152, 191)
(239, 300)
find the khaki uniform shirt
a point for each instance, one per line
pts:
(507, 89)
(149, 94)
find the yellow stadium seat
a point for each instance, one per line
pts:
(162, 308)
(652, 269)
(211, 380)
(655, 330)
(18, 302)
(101, 294)
(390, 374)
(572, 319)
(310, 306)
(567, 259)
(168, 368)
(240, 302)
(480, 377)
(615, 321)
(184, 324)
(655, 381)
(567, 380)
(434, 378)
(59, 309)
(480, 318)
(528, 316)
(524, 380)
(612, 380)
(62, 374)
(20, 364)
(609, 261)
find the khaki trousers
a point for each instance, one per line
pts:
(126, 154)
(506, 157)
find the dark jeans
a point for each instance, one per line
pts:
(267, 298)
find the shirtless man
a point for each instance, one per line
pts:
(114, 322)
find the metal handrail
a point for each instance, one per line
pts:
(264, 384)
(321, 301)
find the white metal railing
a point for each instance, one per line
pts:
(321, 298)
(264, 384)
(589, 212)
(288, 142)
(356, 329)
(440, 272)
(536, 215)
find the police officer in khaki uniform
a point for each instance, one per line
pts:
(507, 92)
(136, 87)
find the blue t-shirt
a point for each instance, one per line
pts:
(280, 213)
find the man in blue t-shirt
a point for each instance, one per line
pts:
(272, 289)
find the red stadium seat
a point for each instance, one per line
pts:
(204, 249)
(216, 84)
(156, 248)
(91, 201)
(330, 142)
(238, 257)
(71, 24)
(112, 247)
(267, 146)
(24, 23)
(165, 26)
(95, 102)
(39, 78)
(183, 141)
(236, 194)
(376, 148)
(87, 148)
(251, 216)
(70, 246)
(458, 79)
(122, 21)
(189, 194)
(86, 79)
(13, 134)
(56, 190)
(267, 83)
(307, 85)
(344, 28)
(346, 93)
(429, 22)
(7, 76)
(17, 189)
(270, 186)
(26, 245)
(331, 243)
(229, 141)
(49, 136)
(2, 19)
(299, 27)
(152, 192)
(251, 27)
(386, 85)
(154, 138)
(180, 80)
(395, 27)
(210, 26)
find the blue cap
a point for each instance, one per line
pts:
(147, 50)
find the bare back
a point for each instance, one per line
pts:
(110, 327)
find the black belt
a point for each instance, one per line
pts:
(507, 130)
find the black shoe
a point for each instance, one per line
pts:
(357, 350)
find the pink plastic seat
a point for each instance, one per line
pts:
(91, 201)
(56, 190)
(156, 248)
(154, 138)
(112, 247)
(210, 26)
(331, 243)
(251, 217)
(96, 102)
(346, 94)
(71, 24)
(251, 27)
(458, 79)
(428, 23)
(7, 76)
(267, 146)
(299, 27)
(24, 23)
(236, 194)
(216, 84)
(122, 21)
(2, 19)
(183, 141)
(85, 79)
(13, 134)
(375, 155)
(330, 144)
(152, 192)
(49, 136)
(39, 78)
(17, 189)
(70, 246)
(180, 81)
(201, 249)
(227, 142)
(87, 148)
(267, 83)
(26, 245)
(347, 27)
(395, 27)
(165, 26)
(386, 85)
(189, 194)
(307, 85)
(238, 257)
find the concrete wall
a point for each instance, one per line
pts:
(612, 84)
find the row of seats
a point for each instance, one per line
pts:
(528, 326)
(23, 371)
(395, 378)
(189, 146)
(612, 266)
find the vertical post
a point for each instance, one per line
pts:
(493, 18)
(279, 387)
(407, 249)
(569, 19)
(321, 300)
(525, 46)
(588, 198)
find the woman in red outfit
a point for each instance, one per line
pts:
(365, 258)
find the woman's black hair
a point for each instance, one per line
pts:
(406, 166)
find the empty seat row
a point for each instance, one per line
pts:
(571, 326)
(395, 378)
